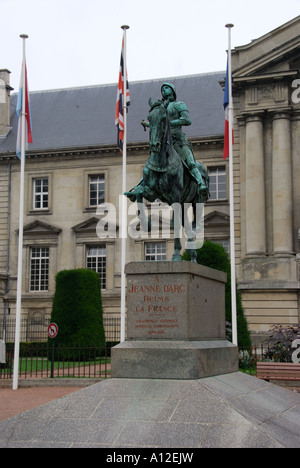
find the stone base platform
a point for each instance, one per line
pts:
(144, 416)
(173, 359)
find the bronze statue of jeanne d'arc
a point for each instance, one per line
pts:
(171, 173)
(179, 117)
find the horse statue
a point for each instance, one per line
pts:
(165, 177)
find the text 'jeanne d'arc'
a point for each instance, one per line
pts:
(157, 288)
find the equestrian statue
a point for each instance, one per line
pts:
(171, 173)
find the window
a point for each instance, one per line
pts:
(217, 183)
(96, 260)
(96, 190)
(40, 194)
(39, 269)
(155, 251)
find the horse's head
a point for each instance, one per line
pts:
(158, 120)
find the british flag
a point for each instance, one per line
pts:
(121, 103)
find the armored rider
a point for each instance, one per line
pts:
(179, 116)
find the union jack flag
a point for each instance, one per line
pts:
(119, 119)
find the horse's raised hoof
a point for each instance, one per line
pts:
(131, 196)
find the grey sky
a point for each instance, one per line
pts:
(78, 43)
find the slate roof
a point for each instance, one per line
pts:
(84, 117)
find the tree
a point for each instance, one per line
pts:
(215, 256)
(77, 308)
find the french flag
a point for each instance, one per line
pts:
(226, 109)
(28, 126)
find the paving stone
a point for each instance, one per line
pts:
(234, 410)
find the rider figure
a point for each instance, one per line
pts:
(179, 116)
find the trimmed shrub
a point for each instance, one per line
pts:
(214, 255)
(77, 309)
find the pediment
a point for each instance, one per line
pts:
(88, 225)
(40, 228)
(276, 53)
(216, 219)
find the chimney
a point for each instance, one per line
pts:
(4, 102)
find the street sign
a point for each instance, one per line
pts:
(52, 330)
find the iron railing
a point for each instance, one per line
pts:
(36, 329)
(42, 358)
(47, 360)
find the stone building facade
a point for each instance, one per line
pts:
(74, 165)
(267, 171)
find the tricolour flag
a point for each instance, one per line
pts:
(119, 119)
(28, 126)
(226, 109)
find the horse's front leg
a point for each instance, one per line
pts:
(177, 223)
(143, 217)
(177, 249)
(189, 232)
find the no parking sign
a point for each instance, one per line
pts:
(52, 330)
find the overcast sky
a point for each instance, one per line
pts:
(78, 42)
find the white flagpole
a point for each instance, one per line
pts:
(21, 216)
(232, 242)
(124, 199)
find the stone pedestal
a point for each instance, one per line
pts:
(175, 323)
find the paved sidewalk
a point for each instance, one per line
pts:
(13, 402)
(230, 411)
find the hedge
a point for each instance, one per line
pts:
(77, 309)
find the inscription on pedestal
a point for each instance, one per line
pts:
(156, 307)
(174, 305)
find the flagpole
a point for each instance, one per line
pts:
(21, 216)
(124, 199)
(232, 242)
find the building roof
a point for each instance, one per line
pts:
(84, 117)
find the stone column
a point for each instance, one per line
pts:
(255, 187)
(282, 186)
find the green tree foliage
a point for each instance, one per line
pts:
(77, 308)
(214, 255)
